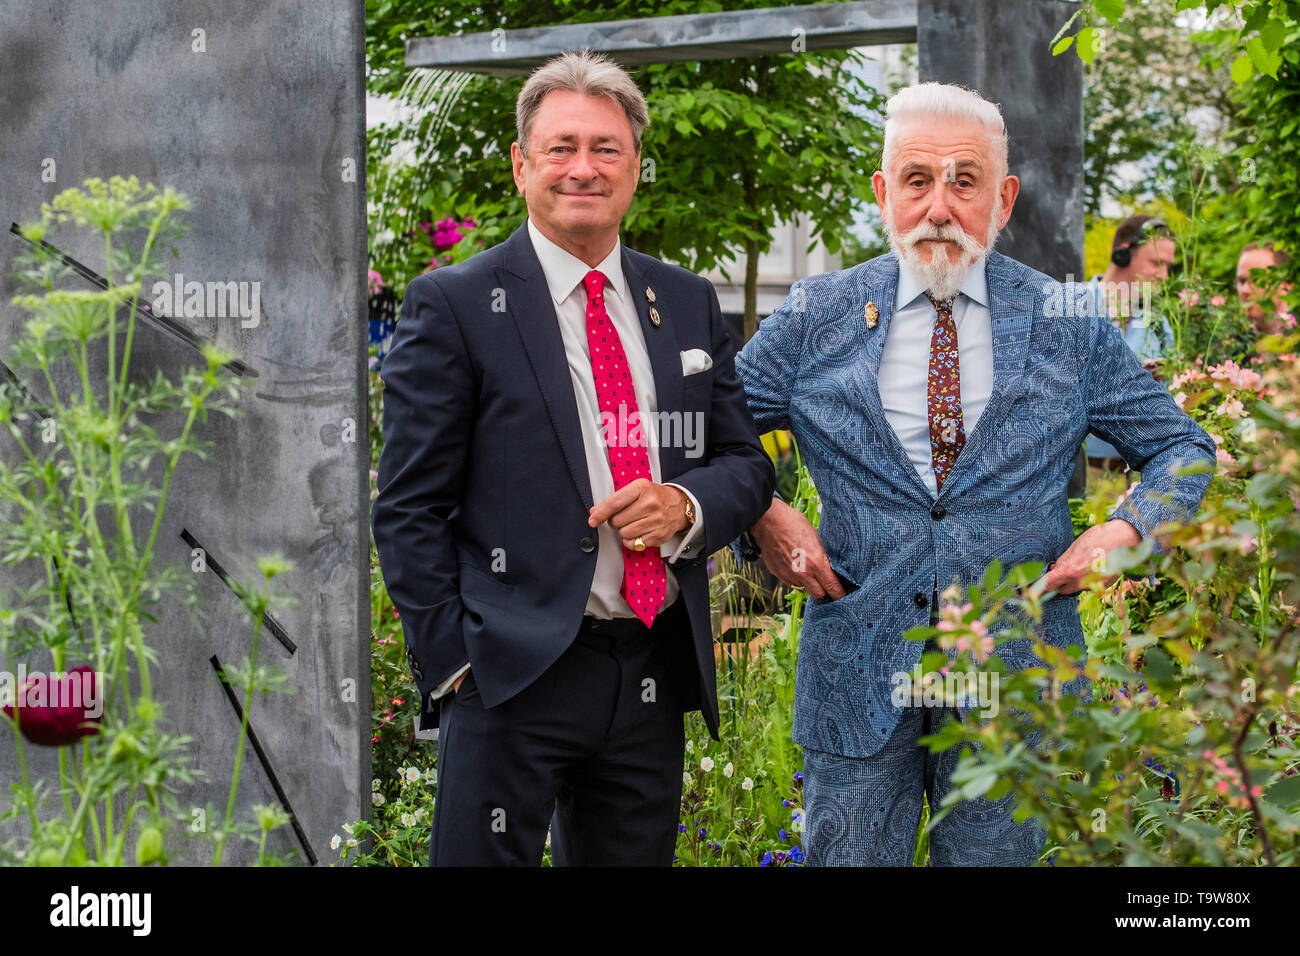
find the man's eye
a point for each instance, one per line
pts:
(965, 183)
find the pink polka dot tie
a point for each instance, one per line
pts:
(644, 578)
(943, 393)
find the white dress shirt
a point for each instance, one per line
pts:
(905, 363)
(564, 273)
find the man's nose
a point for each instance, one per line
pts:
(939, 212)
(582, 167)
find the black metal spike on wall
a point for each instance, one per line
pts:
(161, 322)
(263, 759)
(274, 626)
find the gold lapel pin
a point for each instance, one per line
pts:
(654, 316)
(649, 294)
(871, 314)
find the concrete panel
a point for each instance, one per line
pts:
(263, 127)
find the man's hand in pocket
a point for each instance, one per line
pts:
(793, 552)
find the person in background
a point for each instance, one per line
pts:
(1255, 291)
(1141, 252)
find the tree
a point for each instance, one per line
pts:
(733, 145)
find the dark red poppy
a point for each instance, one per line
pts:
(58, 712)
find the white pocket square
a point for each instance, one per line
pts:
(696, 360)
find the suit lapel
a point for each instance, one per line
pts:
(881, 289)
(665, 354)
(529, 301)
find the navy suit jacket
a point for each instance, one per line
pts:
(483, 458)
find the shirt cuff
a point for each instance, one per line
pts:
(445, 686)
(687, 545)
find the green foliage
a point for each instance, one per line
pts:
(732, 146)
(83, 506)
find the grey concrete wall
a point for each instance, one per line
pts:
(1001, 48)
(264, 130)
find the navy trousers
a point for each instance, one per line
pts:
(593, 749)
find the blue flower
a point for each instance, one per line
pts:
(767, 859)
(785, 803)
(681, 828)
(783, 836)
(703, 833)
(798, 776)
(796, 855)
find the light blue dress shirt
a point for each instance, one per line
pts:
(905, 362)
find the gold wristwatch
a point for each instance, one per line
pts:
(690, 510)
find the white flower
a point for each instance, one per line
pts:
(690, 746)
(347, 828)
(335, 840)
(408, 819)
(431, 776)
(686, 779)
(421, 813)
(729, 769)
(377, 798)
(706, 764)
(374, 784)
(352, 842)
(747, 784)
(412, 774)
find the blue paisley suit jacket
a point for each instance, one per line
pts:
(812, 368)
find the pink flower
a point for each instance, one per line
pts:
(1218, 300)
(1221, 786)
(1188, 297)
(1224, 458)
(1231, 408)
(374, 282)
(1288, 319)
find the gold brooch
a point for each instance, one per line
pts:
(654, 316)
(649, 294)
(871, 314)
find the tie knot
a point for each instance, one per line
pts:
(595, 283)
(939, 304)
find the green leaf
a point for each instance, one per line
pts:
(1272, 34)
(1086, 47)
(1242, 69)
(1157, 665)
(1285, 792)
(1264, 61)
(1062, 45)
(1112, 10)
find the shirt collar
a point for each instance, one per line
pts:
(974, 286)
(564, 271)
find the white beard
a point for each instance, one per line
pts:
(941, 278)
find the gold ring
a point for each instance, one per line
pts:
(638, 544)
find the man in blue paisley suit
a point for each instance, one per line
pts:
(939, 395)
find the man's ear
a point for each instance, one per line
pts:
(517, 163)
(1010, 188)
(878, 187)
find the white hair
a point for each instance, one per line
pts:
(943, 102)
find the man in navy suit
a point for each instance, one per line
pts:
(565, 442)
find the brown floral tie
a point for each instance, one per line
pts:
(943, 393)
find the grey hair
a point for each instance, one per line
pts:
(591, 74)
(943, 101)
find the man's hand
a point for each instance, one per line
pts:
(793, 552)
(642, 509)
(1087, 555)
(459, 680)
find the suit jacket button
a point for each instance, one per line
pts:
(587, 545)
(937, 512)
(919, 599)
